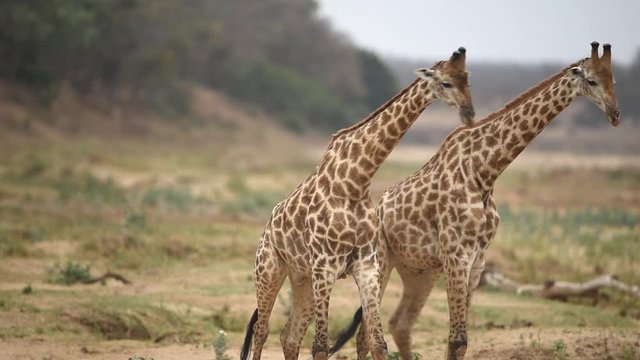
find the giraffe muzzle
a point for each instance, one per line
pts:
(613, 114)
(467, 114)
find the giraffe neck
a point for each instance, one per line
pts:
(499, 141)
(356, 153)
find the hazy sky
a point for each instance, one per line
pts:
(497, 30)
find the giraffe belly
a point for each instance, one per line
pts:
(294, 252)
(414, 247)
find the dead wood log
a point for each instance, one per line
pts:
(558, 290)
(107, 275)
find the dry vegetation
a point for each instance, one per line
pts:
(179, 214)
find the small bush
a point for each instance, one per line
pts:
(226, 321)
(115, 325)
(173, 199)
(12, 245)
(33, 167)
(220, 346)
(85, 186)
(134, 221)
(559, 350)
(27, 290)
(69, 273)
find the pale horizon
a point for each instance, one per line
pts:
(492, 31)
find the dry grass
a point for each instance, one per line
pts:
(181, 218)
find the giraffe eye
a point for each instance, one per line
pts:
(446, 84)
(591, 82)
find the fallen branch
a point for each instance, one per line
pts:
(107, 275)
(558, 290)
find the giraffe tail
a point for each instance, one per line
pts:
(246, 346)
(348, 332)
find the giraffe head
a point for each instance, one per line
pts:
(449, 82)
(595, 81)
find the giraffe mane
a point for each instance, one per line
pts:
(375, 112)
(380, 109)
(521, 98)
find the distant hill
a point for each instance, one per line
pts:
(233, 133)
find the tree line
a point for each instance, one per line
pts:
(277, 55)
(274, 55)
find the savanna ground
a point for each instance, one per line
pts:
(180, 218)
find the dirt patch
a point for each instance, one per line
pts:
(527, 344)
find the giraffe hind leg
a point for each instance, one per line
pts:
(362, 342)
(322, 282)
(270, 275)
(300, 317)
(367, 277)
(416, 290)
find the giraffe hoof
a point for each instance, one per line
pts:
(381, 355)
(457, 350)
(460, 352)
(320, 356)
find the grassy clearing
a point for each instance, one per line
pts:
(184, 228)
(576, 242)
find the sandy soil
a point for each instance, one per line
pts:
(490, 345)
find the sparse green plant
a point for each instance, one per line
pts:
(220, 346)
(69, 273)
(12, 246)
(224, 320)
(134, 220)
(535, 343)
(173, 198)
(36, 233)
(33, 166)
(396, 356)
(84, 186)
(559, 350)
(628, 352)
(27, 290)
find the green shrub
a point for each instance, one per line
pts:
(12, 245)
(69, 273)
(86, 187)
(173, 198)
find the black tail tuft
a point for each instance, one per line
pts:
(246, 346)
(347, 333)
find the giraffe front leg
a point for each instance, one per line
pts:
(456, 270)
(474, 276)
(322, 281)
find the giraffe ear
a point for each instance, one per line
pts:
(576, 71)
(425, 73)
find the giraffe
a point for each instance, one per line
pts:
(327, 228)
(441, 219)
